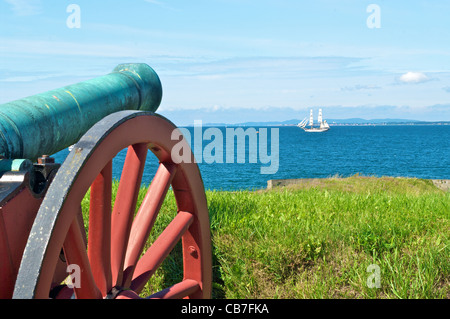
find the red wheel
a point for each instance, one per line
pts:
(111, 257)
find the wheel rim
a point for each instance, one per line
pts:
(111, 265)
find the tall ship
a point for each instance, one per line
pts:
(309, 127)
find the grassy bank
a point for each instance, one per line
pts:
(326, 240)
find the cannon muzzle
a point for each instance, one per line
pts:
(49, 122)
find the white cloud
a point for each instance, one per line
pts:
(161, 4)
(26, 78)
(154, 2)
(360, 87)
(25, 7)
(413, 77)
(61, 48)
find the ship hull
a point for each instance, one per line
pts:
(315, 130)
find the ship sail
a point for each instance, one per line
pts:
(323, 125)
(303, 123)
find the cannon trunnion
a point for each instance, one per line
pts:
(42, 227)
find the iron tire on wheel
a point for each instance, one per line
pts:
(111, 258)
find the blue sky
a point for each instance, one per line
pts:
(247, 60)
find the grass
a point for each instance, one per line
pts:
(319, 240)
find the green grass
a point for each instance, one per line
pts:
(318, 240)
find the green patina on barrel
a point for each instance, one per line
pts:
(49, 122)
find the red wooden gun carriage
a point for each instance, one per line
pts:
(42, 231)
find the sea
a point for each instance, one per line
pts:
(421, 151)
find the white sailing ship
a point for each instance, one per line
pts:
(323, 125)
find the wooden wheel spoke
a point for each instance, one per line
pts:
(146, 217)
(114, 252)
(160, 249)
(76, 256)
(177, 291)
(125, 206)
(99, 251)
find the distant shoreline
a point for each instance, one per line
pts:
(284, 124)
(384, 124)
(331, 124)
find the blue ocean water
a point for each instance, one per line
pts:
(421, 151)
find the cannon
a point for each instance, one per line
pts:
(43, 233)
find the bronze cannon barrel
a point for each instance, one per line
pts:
(49, 122)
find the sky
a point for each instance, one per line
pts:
(230, 61)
